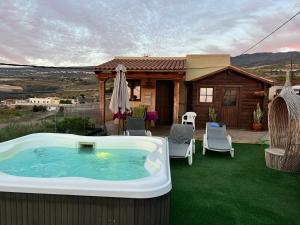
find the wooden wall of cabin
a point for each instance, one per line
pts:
(246, 101)
(148, 94)
(182, 99)
(148, 89)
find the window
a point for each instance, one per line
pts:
(206, 95)
(134, 90)
(230, 97)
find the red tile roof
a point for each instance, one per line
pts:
(145, 63)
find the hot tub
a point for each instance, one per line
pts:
(42, 184)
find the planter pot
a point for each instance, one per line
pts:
(257, 126)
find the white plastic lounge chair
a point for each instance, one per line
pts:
(189, 118)
(181, 142)
(216, 139)
(136, 127)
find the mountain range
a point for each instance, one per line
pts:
(266, 58)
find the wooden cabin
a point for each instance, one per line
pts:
(173, 85)
(152, 81)
(234, 94)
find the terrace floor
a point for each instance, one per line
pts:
(238, 136)
(219, 190)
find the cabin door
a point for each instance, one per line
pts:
(164, 101)
(230, 106)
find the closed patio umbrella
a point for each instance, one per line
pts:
(119, 103)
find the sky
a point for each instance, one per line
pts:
(81, 32)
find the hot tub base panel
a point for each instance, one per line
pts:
(45, 209)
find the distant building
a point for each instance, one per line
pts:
(52, 108)
(44, 101)
(8, 102)
(21, 102)
(49, 101)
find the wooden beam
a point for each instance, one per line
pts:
(105, 76)
(141, 75)
(102, 100)
(158, 76)
(265, 107)
(176, 101)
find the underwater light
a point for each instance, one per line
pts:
(102, 155)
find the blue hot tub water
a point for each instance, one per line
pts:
(108, 164)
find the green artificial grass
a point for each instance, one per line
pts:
(217, 189)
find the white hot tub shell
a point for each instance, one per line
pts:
(158, 183)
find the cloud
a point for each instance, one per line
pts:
(61, 33)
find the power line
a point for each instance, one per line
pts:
(279, 27)
(21, 65)
(42, 67)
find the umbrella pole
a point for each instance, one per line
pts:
(119, 107)
(123, 126)
(119, 127)
(119, 118)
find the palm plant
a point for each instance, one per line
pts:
(212, 114)
(257, 114)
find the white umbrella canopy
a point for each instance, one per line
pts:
(119, 102)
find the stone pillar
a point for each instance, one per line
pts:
(102, 100)
(176, 101)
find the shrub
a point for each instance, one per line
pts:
(74, 125)
(61, 109)
(280, 78)
(8, 114)
(12, 131)
(84, 82)
(35, 108)
(39, 108)
(66, 101)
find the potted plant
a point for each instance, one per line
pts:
(212, 114)
(257, 116)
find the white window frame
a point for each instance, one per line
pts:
(208, 98)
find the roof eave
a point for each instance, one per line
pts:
(254, 76)
(148, 71)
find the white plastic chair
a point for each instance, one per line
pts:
(189, 118)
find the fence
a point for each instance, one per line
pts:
(86, 111)
(82, 119)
